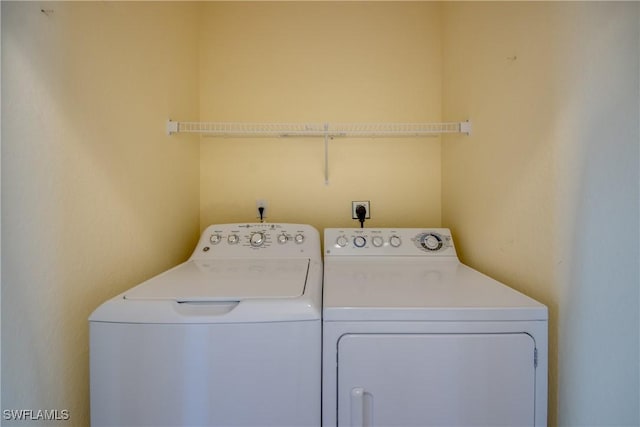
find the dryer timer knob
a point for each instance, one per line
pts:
(431, 242)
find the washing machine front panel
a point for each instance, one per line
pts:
(436, 380)
(264, 374)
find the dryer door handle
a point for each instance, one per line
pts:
(357, 407)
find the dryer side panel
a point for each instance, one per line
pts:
(436, 380)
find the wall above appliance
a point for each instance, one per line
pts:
(325, 130)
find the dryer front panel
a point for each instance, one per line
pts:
(436, 379)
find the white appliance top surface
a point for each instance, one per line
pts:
(368, 284)
(237, 273)
(226, 280)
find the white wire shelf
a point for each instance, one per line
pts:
(325, 130)
(231, 129)
(332, 130)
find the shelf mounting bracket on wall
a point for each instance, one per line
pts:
(325, 130)
(326, 154)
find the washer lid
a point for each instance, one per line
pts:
(226, 280)
(404, 289)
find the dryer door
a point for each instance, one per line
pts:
(436, 380)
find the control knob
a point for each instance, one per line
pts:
(342, 241)
(282, 238)
(299, 238)
(377, 241)
(215, 239)
(395, 241)
(256, 239)
(359, 241)
(431, 242)
(233, 239)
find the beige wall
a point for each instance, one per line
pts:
(95, 196)
(544, 195)
(321, 62)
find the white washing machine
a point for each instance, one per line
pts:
(412, 337)
(231, 337)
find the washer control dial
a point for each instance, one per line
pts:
(215, 238)
(377, 241)
(342, 241)
(431, 242)
(256, 239)
(359, 241)
(395, 241)
(233, 239)
(299, 238)
(282, 238)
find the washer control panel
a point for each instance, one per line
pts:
(388, 242)
(257, 239)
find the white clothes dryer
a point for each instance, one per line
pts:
(412, 337)
(231, 337)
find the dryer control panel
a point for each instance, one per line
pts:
(258, 240)
(388, 242)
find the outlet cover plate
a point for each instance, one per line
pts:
(364, 203)
(261, 203)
